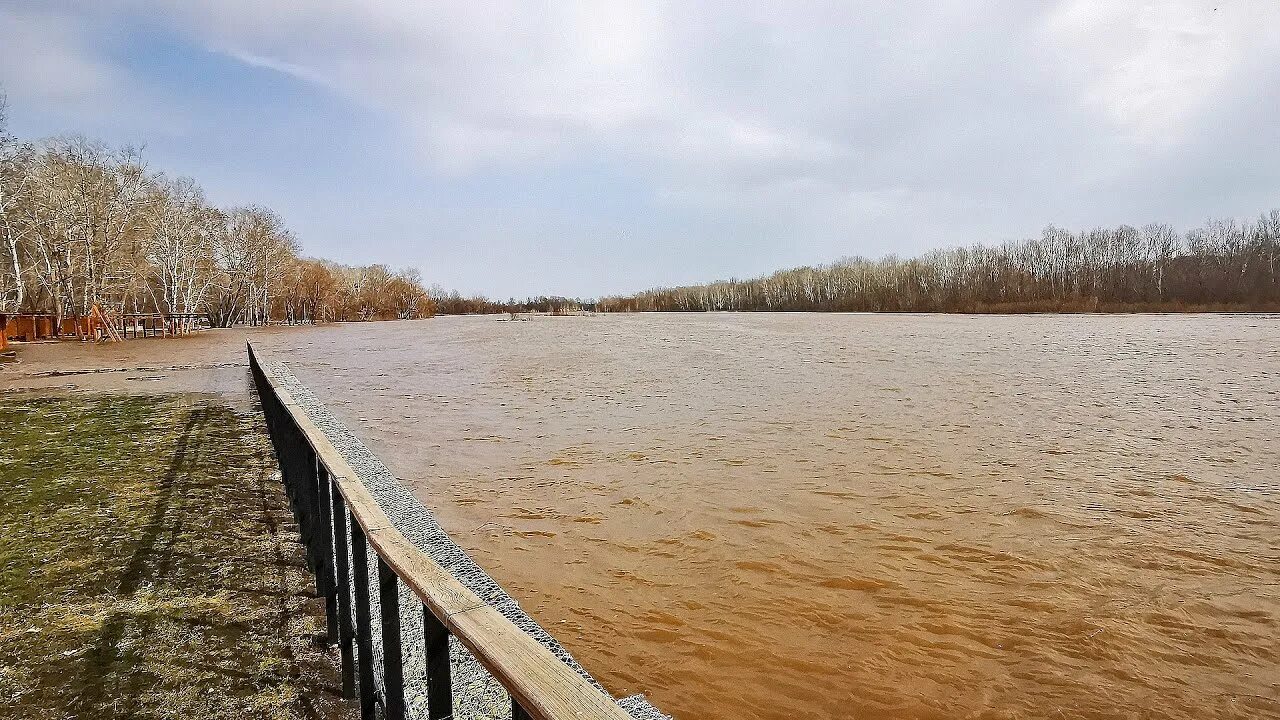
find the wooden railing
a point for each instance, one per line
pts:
(161, 325)
(340, 521)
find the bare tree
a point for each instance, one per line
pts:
(84, 225)
(1223, 264)
(179, 247)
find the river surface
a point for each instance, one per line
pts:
(873, 516)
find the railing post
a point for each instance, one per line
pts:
(364, 631)
(306, 479)
(343, 591)
(324, 573)
(288, 473)
(439, 682)
(291, 470)
(392, 660)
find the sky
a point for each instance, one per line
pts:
(594, 148)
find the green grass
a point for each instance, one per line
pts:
(149, 567)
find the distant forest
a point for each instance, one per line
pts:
(453, 303)
(1224, 265)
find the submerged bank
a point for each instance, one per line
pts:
(149, 566)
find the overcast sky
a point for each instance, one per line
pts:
(592, 148)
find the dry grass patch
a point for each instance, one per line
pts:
(149, 566)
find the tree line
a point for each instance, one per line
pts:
(83, 225)
(453, 303)
(1223, 265)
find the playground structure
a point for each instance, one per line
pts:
(98, 325)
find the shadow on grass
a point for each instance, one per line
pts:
(150, 566)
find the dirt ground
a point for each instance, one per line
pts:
(213, 361)
(149, 564)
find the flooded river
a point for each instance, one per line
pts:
(780, 516)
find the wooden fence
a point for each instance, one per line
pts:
(340, 523)
(28, 327)
(161, 325)
(98, 325)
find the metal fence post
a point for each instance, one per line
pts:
(364, 633)
(343, 592)
(392, 660)
(439, 683)
(324, 572)
(307, 508)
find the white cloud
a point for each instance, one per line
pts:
(871, 126)
(48, 59)
(1150, 67)
(721, 85)
(506, 83)
(296, 71)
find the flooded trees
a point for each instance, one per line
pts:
(320, 291)
(249, 255)
(406, 297)
(1223, 265)
(308, 290)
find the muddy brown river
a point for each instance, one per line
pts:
(872, 516)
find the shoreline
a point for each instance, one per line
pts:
(76, 373)
(200, 363)
(199, 541)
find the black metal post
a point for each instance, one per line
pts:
(439, 684)
(343, 592)
(392, 660)
(307, 505)
(364, 631)
(324, 573)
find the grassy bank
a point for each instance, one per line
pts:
(149, 565)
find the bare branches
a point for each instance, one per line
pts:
(1225, 264)
(82, 224)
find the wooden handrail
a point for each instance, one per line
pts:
(542, 685)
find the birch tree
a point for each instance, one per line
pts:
(179, 246)
(83, 224)
(15, 166)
